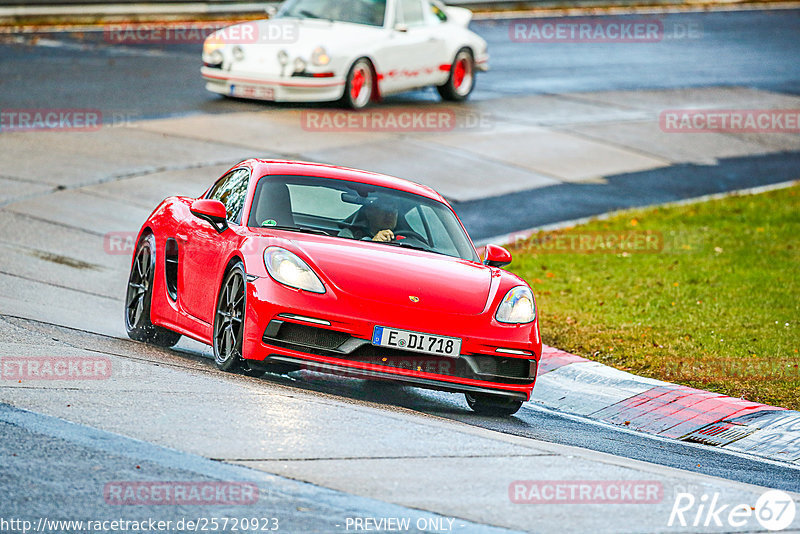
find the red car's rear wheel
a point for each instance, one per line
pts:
(139, 297)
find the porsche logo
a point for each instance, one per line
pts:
(412, 298)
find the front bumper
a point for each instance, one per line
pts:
(416, 379)
(273, 88)
(283, 333)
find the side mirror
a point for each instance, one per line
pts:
(271, 11)
(497, 256)
(402, 28)
(212, 211)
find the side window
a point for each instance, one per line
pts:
(439, 14)
(231, 190)
(414, 220)
(411, 13)
(439, 234)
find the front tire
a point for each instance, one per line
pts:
(495, 405)
(229, 321)
(229, 324)
(461, 81)
(139, 298)
(358, 85)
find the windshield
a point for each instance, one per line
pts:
(350, 210)
(369, 12)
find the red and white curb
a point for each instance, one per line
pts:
(576, 385)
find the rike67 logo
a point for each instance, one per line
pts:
(774, 510)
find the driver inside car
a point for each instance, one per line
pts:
(378, 220)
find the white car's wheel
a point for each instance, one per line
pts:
(358, 85)
(462, 77)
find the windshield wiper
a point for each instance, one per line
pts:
(415, 247)
(297, 229)
(406, 245)
(309, 14)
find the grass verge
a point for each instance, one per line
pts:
(706, 295)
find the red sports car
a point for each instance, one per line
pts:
(282, 265)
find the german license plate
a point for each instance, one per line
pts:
(260, 92)
(383, 336)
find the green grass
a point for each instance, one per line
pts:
(718, 308)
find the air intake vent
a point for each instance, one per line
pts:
(171, 267)
(510, 367)
(308, 336)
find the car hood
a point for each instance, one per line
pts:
(395, 276)
(299, 36)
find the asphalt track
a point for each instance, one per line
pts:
(85, 72)
(751, 49)
(754, 49)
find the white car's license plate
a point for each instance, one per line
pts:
(253, 91)
(384, 336)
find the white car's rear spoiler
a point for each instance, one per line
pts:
(459, 15)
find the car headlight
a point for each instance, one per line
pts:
(320, 56)
(285, 267)
(283, 57)
(517, 307)
(212, 44)
(299, 64)
(215, 58)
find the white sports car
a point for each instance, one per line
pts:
(355, 51)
